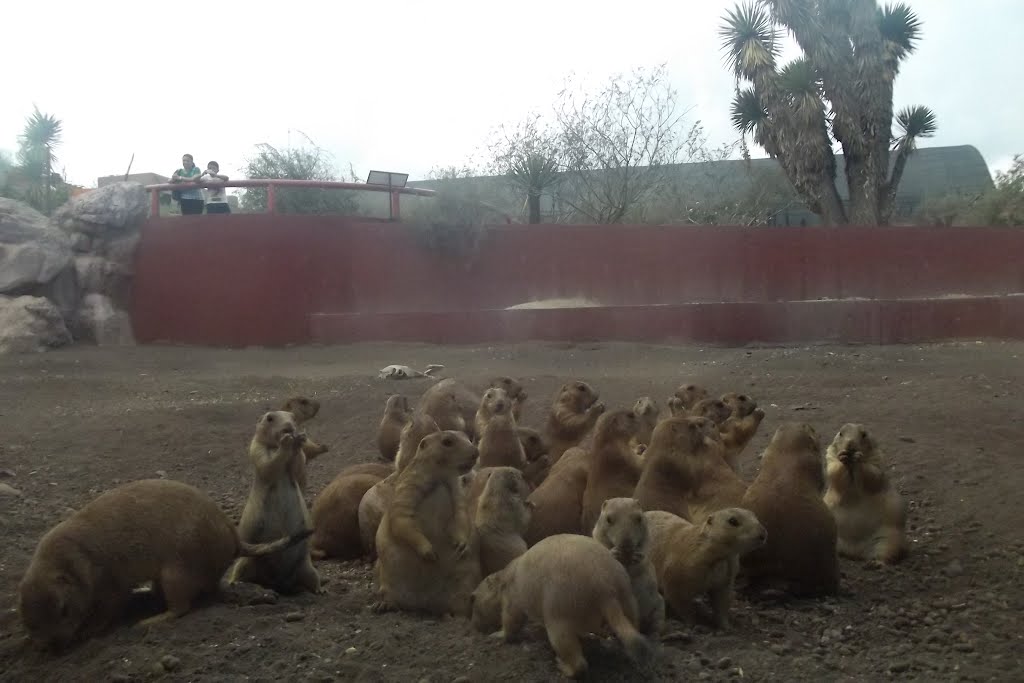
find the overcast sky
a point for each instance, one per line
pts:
(407, 86)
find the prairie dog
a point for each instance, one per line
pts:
(870, 514)
(622, 528)
(713, 409)
(515, 392)
(389, 432)
(689, 394)
(572, 586)
(558, 500)
(786, 496)
(502, 516)
(373, 504)
(693, 560)
(669, 475)
(535, 448)
(276, 507)
(574, 412)
(83, 571)
(647, 414)
(336, 530)
(426, 558)
(303, 410)
(739, 428)
(452, 405)
(418, 426)
(614, 467)
(500, 445)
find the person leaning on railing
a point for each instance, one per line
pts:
(216, 197)
(190, 200)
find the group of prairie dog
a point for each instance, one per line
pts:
(600, 521)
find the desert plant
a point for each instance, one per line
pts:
(300, 163)
(840, 90)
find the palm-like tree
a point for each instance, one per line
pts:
(839, 90)
(40, 137)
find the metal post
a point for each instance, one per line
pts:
(396, 209)
(271, 203)
(154, 203)
(391, 202)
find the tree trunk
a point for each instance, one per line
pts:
(832, 211)
(533, 202)
(865, 191)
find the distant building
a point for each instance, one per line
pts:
(931, 173)
(143, 178)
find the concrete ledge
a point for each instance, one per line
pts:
(841, 321)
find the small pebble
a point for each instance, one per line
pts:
(899, 667)
(294, 616)
(170, 663)
(724, 663)
(7, 490)
(6, 474)
(350, 651)
(954, 568)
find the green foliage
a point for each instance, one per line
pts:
(529, 154)
(1001, 206)
(300, 163)
(840, 90)
(451, 222)
(34, 180)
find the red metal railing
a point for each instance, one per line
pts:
(272, 184)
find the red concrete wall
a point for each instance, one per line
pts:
(258, 279)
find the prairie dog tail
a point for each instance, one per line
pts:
(431, 369)
(637, 647)
(259, 549)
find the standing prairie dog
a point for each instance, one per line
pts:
(713, 409)
(614, 467)
(276, 507)
(375, 501)
(426, 558)
(689, 394)
(692, 560)
(502, 515)
(515, 392)
(870, 514)
(669, 474)
(389, 432)
(500, 445)
(535, 448)
(622, 528)
(81, 576)
(558, 500)
(303, 410)
(647, 414)
(572, 586)
(574, 412)
(739, 428)
(786, 496)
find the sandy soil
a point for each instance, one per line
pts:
(80, 421)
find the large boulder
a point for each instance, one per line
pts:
(101, 322)
(32, 251)
(105, 212)
(30, 323)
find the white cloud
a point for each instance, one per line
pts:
(410, 85)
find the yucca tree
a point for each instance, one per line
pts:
(528, 154)
(40, 137)
(840, 90)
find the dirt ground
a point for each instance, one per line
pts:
(80, 421)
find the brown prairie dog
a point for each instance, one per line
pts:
(515, 392)
(786, 496)
(303, 410)
(689, 394)
(375, 501)
(558, 500)
(614, 467)
(622, 528)
(82, 574)
(691, 560)
(500, 445)
(669, 474)
(647, 415)
(574, 412)
(502, 516)
(389, 432)
(426, 558)
(572, 586)
(870, 514)
(276, 507)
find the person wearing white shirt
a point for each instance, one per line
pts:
(216, 197)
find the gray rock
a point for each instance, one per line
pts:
(9, 491)
(62, 291)
(30, 323)
(99, 321)
(107, 211)
(31, 251)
